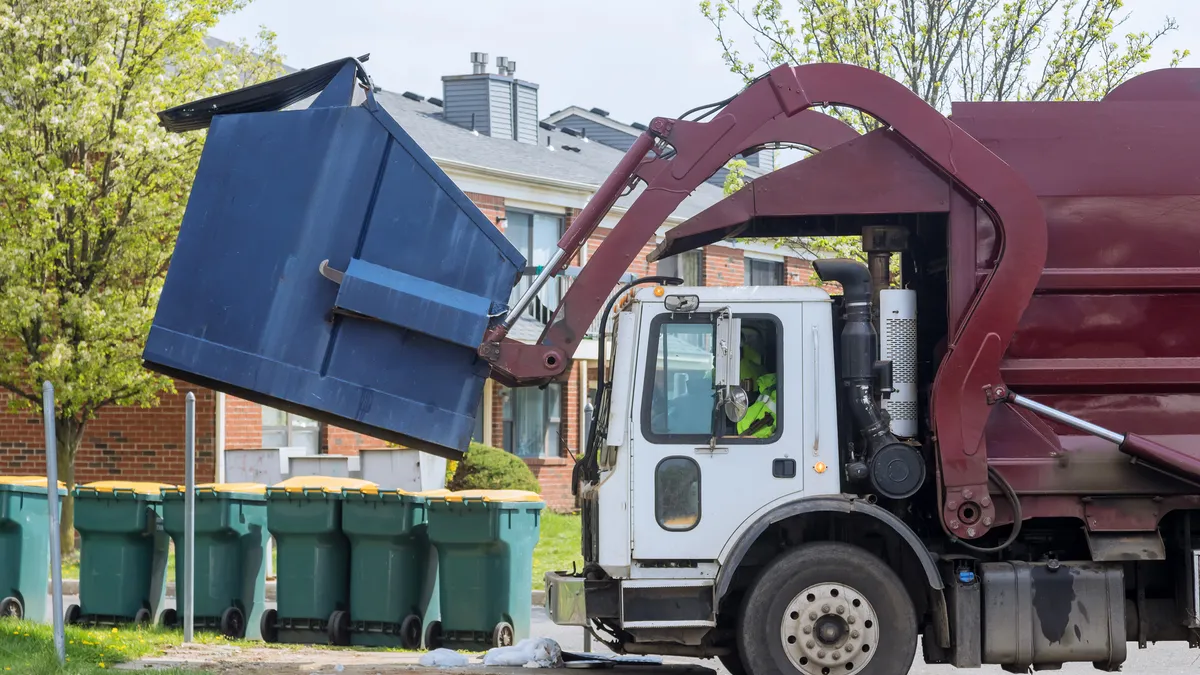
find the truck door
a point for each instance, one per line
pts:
(696, 477)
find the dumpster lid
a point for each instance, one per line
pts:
(136, 488)
(376, 490)
(493, 496)
(229, 488)
(27, 482)
(322, 483)
(266, 96)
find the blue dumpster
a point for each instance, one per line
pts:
(327, 267)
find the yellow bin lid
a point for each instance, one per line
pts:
(493, 496)
(127, 486)
(28, 481)
(323, 483)
(228, 488)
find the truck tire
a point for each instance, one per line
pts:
(828, 608)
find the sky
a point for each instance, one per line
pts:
(638, 59)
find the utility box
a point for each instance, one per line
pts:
(267, 466)
(334, 466)
(326, 266)
(403, 469)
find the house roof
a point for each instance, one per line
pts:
(588, 167)
(605, 120)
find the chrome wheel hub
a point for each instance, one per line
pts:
(828, 629)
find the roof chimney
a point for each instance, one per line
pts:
(479, 62)
(495, 104)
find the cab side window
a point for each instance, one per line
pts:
(682, 396)
(760, 375)
(680, 404)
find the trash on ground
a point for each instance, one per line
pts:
(531, 653)
(443, 658)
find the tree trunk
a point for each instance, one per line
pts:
(69, 432)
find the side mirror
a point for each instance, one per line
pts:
(736, 403)
(682, 304)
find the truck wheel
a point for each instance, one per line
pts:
(828, 608)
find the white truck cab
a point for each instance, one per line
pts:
(676, 484)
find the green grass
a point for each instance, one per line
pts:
(558, 547)
(28, 648)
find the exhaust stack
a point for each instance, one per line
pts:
(896, 469)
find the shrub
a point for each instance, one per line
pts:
(487, 468)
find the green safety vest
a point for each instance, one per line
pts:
(765, 405)
(752, 365)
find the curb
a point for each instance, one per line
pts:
(71, 587)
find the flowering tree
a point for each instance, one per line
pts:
(943, 50)
(92, 191)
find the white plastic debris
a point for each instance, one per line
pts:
(530, 653)
(443, 658)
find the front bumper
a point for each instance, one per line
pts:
(566, 599)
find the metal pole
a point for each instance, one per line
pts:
(52, 506)
(1069, 420)
(189, 519)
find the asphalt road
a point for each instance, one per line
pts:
(1162, 659)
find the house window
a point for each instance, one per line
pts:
(536, 236)
(688, 266)
(532, 418)
(285, 430)
(763, 272)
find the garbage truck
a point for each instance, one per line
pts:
(982, 442)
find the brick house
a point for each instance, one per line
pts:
(529, 176)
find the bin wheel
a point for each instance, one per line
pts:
(168, 618)
(410, 632)
(339, 629)
(233, 623)
(142, 617)
(11, 608)
(433, 636)
(502, 635)
(72, 615)
(268, 626)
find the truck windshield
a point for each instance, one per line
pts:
(684, 398)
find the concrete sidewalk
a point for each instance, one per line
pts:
(71, 587)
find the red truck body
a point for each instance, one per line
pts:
(1109, 333)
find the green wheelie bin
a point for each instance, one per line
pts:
(24, 546)
(484, 541)
(312, 573)
(230, 562)
(393, 568)
(122, 553)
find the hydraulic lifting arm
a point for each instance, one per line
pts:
(675, 156)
